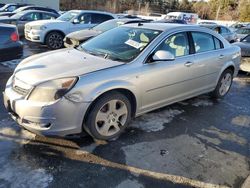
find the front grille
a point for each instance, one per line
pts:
(68, 41)
(20, 87)
(20, 90)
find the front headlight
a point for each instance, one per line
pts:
(52, 90)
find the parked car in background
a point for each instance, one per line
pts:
(21, 18)
(10, 46)
(29, 8)
(117, 75)
(229, 35)
(242, 32)
(11, 7)
(1, 5)
(244, 44)
(52, 32)
(171, 21)
(76, 38)
(206, 22)
(190, 18)
(239, 25)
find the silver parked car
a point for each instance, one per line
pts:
(21, 18)
(244, 44)
(76, 38)
(229, 35)
(120, 74)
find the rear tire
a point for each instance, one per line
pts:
(109, 116)
(54, 40)
(224, 84)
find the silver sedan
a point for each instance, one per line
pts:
(118, 75)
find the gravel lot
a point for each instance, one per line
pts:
(195, 143)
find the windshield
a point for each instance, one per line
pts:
(4, 7)
(243, 31)
(120, 44)
(68, 16)
(246, 39)
(19, 9)
(108, 25)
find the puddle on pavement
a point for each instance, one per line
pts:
(16, 170)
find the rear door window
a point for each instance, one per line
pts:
(217, 43)
(85, 18)
(203, 42)
(99, 18)
(48, 16)
(32, 16)
(224, 30)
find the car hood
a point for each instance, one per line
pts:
(60, 64)
(83, 34)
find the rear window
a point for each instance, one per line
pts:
(218, 44)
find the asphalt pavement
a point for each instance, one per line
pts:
(199, 142)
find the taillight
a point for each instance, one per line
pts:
(14, 37)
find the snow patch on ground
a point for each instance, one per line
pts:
(9, 130)
(202, 101)
(153, 122)
(242, 120)
(130, 183)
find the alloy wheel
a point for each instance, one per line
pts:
(111, 117)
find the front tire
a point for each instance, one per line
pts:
(54, 40)
(109, 116)
(224, 84)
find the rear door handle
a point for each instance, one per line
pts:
(221, 56)
(188, 64)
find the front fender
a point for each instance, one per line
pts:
(108, 86)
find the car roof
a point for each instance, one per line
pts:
(39, 11)
(128, 19)
(162, 26)
(92, 11)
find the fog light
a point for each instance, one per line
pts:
(43, 125)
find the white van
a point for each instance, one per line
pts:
(190, 18)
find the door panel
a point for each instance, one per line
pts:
(208, 54)
(165, 82)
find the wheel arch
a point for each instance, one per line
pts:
(54, 30)
(229, 66)
(124, 91)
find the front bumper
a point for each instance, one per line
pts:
(34, 35)
(245, 64)
(60, 118)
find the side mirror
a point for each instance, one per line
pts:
(22, 19)
(163, 55)
(76, 21)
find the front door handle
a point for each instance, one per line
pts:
(188, 64)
